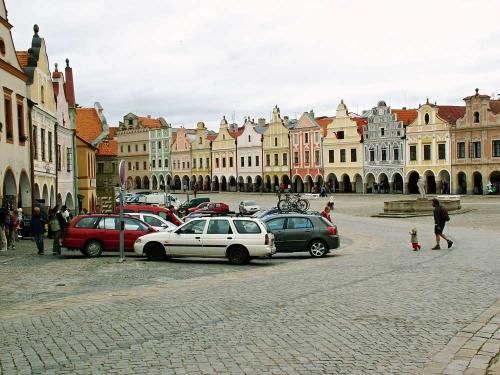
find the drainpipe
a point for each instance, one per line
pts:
(236, 163)
(31, 104)
(56, 125)
(211, 166)
(262, 164)
(75, 173)
(290, 161)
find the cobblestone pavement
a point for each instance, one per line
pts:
(374, 306)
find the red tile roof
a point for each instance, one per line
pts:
(211, 137)
(495, 106)
(88, 124)
(112, 132)
(108, 148)
(451, 113)
(360, 122)
(237, 133)
(323, 122)
(22, 57)
(150, 122)
(407, 116)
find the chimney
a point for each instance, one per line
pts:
(149, 116)
(69, 87)
(404, 108)
(261, 122)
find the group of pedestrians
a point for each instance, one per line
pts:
(58, 220)
(9, 223)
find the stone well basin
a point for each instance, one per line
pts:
(451, 202)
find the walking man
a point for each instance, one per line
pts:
(38, 222)
(440, 219)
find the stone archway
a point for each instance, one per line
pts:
(258, 183)
(145, 182)
(413, 178)
(443, 185)
(130, 183)
(276, 183)
(249, 184)
(192, 182)
(370, 183)
(398, 183)
(358, 183)
(232, 184)
(298, 184)
(185, 182)
(223, 184)
(208, 185)
(52, 197)
(332, 183)
(69, 202)
(308, 184)
(383, 183)
(346, 184)
(24, 197)
(9, 190)
(241, 183)
(59, 200)
(36, 192)
(461, 183)
(477, 183)
(200, 183)
(138, 183)
(268, 184)
(216, 184)
(154, 182)
(285, 180)
(177, 183)
(430, 182)
(45, 196)
(494, 182)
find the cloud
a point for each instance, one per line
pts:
(195, 61)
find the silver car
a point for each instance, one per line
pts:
(248, 207)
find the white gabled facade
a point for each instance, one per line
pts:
(249, 144)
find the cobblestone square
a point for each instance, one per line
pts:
(372, 307)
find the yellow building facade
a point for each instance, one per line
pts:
(86, 161)
(201, 164)
(224, 172)
(276, 152)
(343, 152)
(428, 145)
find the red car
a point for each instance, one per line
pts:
(212, 207)
(147, 209)
(93, 234)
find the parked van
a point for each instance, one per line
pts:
(147, 209)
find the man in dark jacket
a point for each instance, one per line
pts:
(440, 218)
(38, 221)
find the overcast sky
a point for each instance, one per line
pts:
(191, 61)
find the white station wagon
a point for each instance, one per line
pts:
(238, 239)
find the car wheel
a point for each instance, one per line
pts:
(84, 252)
(93, 248)
(238, 255)
(317, 249)
(155, 252)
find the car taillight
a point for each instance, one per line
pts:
(332, 231)
(266, 242)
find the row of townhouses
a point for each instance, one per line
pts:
(49, 145)
(454, 149)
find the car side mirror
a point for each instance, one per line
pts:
(164, 225)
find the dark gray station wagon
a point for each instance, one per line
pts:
(297, 233)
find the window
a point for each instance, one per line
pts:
(145, 165)
(208, 163)
(276, 161)
(87, 222)
(100, 167)
(316, 137)
(201, 163)
(159, 163)
(476, 117)
(109, 223)
(223, 162)
(20, 120)
(159, 145)
(230, 162)
(249, 139)
(58, 158)
(136, 225)
(353, 154)
(382, 132)
(257, 161)
(306, 138)
(113, 168)
(295, 139)
(442, 151)
(413, 152)
(246, 227)
(426, 119)
(200, 141)
(194, 163)
(128, 148)
(219, 227)
(153, 163)
(275, 141)
(49, 143)
(396, 154)
(136, 165)
(35, 143)
(316, 157)
(183, 165)
(249, 161)
(268, 160)
(144, 147)
(460, 150)
(285, 159)
(342, 156)
(42, 143)
(298, 223)
(372, 155)
(331, 156)
(276, 224)
(383, 154)
(121, 149)
(8, 118)
(129, 166)
(496, 148)
(476, 149)
(340, 134)
(153, 221)
(193, 227)
(217, 162)
(242, 161)
(427, 152)
(296, 157)
(130, 122)
(42, 94)
(306, 157)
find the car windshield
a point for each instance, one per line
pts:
(250, 203)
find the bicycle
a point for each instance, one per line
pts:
(293, 203)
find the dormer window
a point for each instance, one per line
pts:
(427, 119)
(131, 122)
(42, 94)
(476, 117)
(2, 47)
(249, 138)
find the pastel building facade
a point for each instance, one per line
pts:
(343, 152)
(224, 169)
(384, 150)
(160, 144)
(475, 139)
(181, 160)
(15, 124)
(201, 163)
(428, 148)
(250, 156)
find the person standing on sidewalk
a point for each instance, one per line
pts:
(38, 222)
(11, 229)
(440, 219)
(56, 230)
(3, 238)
